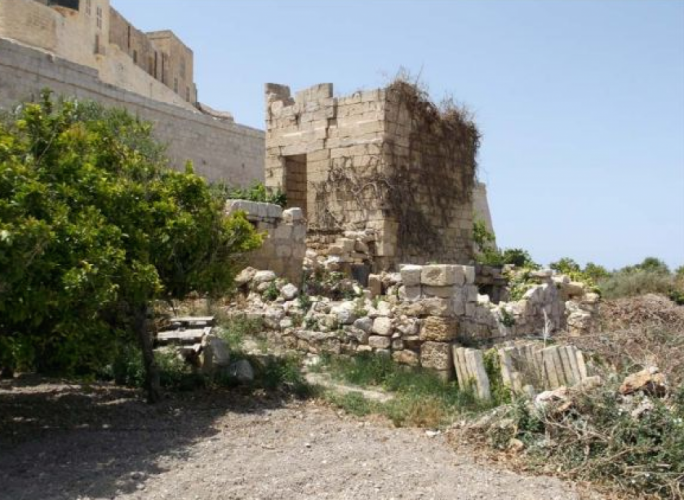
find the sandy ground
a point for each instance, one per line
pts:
(71, 442)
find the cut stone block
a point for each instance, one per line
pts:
(436, 355)
(439, 329)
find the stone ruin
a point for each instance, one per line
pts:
(385, 163)
(380, 185)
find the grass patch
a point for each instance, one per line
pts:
(234, 330)
(421, 399)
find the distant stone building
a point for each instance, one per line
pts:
(86, 49)
(92, 33)
(384, 161)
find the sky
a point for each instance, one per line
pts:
(580, 103)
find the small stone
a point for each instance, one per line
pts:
(245, 276)
(406, 357)
(345, 313)
(365, 324)
(382, 326)
(379, 342)
(289, 291)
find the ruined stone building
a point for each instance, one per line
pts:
(386, 161)
(86, 49)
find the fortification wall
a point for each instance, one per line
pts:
(83, 37)
(220, 150)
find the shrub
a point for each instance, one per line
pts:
(93, 228)
(635, 282)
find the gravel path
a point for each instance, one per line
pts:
(62, 442)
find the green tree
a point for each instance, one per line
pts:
(93, 227)
(566, 265)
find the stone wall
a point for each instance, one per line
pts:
(220, 150)
(285, 237)
(417, 316)
(369, 162)
(97, 36)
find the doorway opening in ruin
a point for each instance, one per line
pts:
(295, 181)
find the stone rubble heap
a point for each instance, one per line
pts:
(340, 253)
(415, 316)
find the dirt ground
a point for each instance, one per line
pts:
(72, 442)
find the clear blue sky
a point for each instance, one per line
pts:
(581, 103)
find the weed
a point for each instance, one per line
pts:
(271, 293)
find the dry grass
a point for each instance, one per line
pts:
(636, 332)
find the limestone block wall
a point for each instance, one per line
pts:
(285, 237)
(357, 163)
(83, 36)
(431, 200)
(220, 150)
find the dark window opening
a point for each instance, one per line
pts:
(135, 56)
(69, 4)
(129, 37)
(296, 182)
(175, 85)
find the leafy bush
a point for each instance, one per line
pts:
(93, 227)
(256, 192)
(488, 254)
